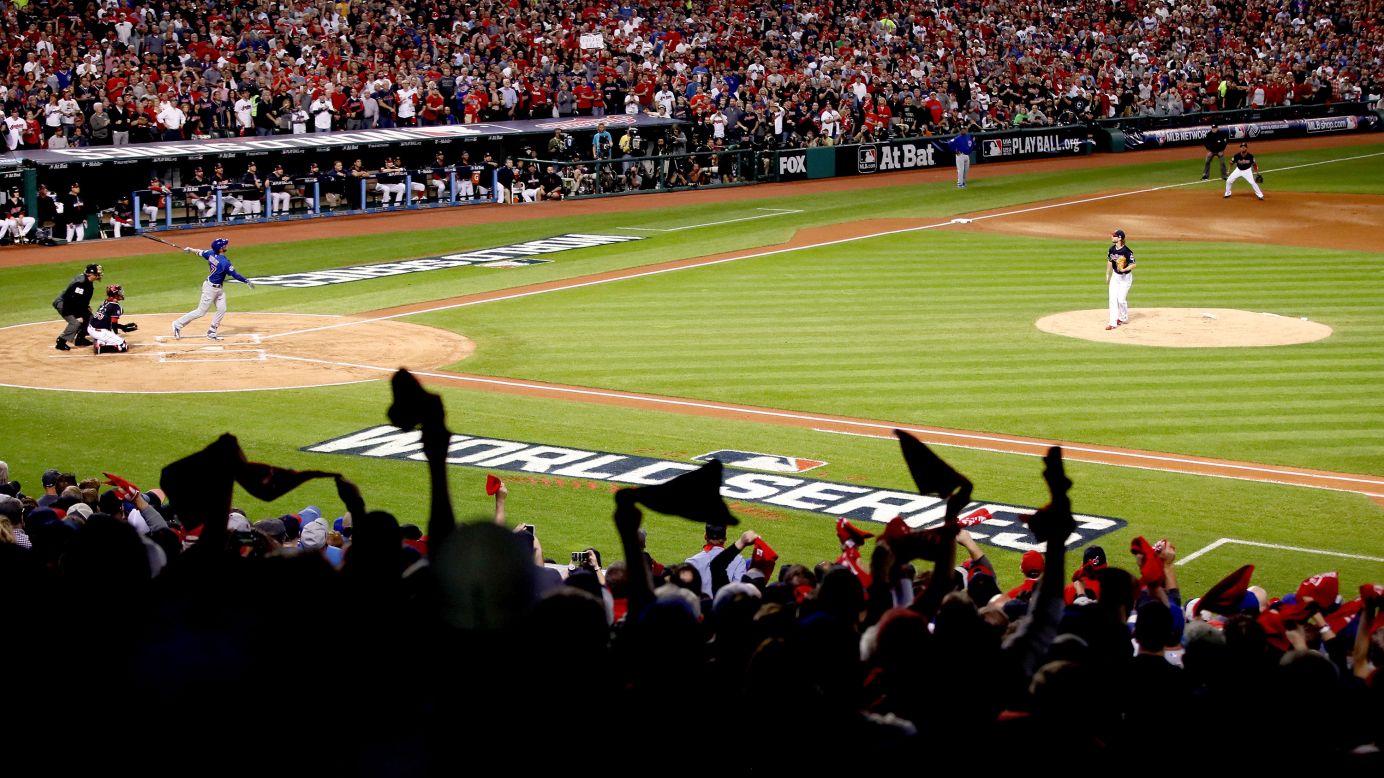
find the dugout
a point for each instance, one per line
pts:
(108, 172)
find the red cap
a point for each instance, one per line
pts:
(1031, 564)
(763, 553)
(492, 484)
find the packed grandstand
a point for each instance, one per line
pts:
(107, 72)
(164, 622)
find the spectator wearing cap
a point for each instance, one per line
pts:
(1031, 565)
(50, 488)
(715, 537)
(12, 511)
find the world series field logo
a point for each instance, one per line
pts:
(515, 255)
(1002, 525)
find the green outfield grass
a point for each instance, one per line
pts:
(933, 327)
(1192, 511)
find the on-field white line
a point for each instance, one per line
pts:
(1278, 547)
(777, 212)
(1066, 455)
(1040, 447)
(188, 391)
(1212, 546)
(773, 252)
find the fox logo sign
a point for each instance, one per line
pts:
(772, 463)
(793, 163)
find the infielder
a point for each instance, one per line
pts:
(211, 288)
(1119, 276)
(1246, 168)
(962, 146)
(105, 327)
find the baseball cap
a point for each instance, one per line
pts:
(50, 477)
(1031, 563)
(93, 270)
(274, 528)
(1118, 234)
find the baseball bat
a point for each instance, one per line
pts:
(160, 240)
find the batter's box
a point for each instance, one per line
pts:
(242, 339)
(213, 354)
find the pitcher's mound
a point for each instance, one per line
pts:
(257, 351)
(1187, 328)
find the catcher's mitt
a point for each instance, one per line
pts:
(131, 327)
(1258, 178)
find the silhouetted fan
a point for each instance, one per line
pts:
(410, 401)
(930, 473)
(695, 495)
(200, 484)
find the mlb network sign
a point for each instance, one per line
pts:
(1005, 528)
(516, 255)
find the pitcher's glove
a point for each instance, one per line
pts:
(131, 327)
(1258, 178)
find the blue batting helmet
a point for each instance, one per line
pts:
(219, 245)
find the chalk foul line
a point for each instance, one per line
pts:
(1275, 546)
(1186, 465)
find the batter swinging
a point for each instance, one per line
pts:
(211, 288)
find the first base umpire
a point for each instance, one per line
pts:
(1214, 142)
(74, 306)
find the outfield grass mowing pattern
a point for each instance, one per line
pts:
(933, 327)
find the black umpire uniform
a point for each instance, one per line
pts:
(1214, 142)
(74, 306)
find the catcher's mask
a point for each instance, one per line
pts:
(115, 292)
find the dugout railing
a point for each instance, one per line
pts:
(636, 174)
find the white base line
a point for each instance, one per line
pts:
(1151, 468)
(788, 250)
(1224, 541)
(1038, 447)
(775, 212)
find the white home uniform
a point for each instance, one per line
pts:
(1244, 168)
(1120, 280)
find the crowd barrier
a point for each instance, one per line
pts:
(305, 198)
(107, 172)
(636, 173)
(1145, 132)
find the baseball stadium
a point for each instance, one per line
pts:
(1143, 349)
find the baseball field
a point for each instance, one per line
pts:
(791, 327)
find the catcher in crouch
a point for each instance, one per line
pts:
(1119, 276)
(105, 327)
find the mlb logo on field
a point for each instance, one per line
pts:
(773, 463)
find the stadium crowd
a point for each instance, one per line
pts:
(165, 618)
(802, 73)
